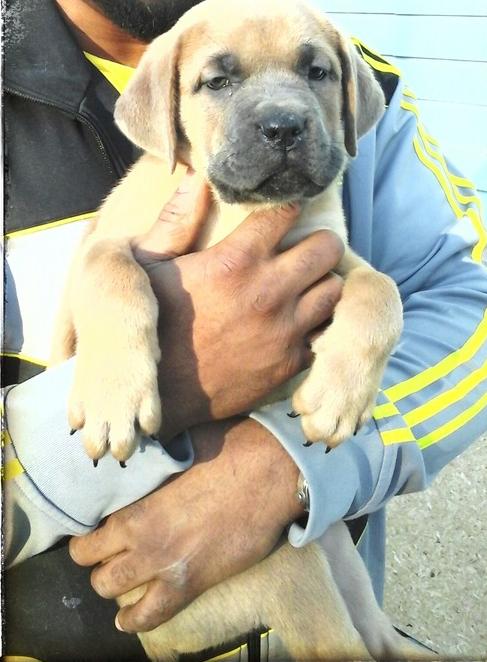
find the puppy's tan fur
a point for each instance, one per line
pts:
(151, 112)
(110, 314)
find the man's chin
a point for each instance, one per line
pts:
(144, 19)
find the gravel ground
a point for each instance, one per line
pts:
(436, 586)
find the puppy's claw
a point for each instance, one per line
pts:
(73, 431)
(123, 465)
(293, 414)
(327, 449)
(95, 463)
(307, 444)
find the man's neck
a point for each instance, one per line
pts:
(98, 35)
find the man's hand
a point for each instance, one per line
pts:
(219, 518)
(235, 319)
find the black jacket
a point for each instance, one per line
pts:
(63, 152)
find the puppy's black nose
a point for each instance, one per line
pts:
(282, 129)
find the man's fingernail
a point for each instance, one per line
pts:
(72, 550)
(117, 624)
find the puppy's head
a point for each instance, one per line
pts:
(265, 97)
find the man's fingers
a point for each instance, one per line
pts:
(159, 603)
(178, 225)
(263, 230)
(97, 546)
(316, 306)
(308, 261)
(118, 575)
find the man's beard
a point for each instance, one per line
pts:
(144, 19)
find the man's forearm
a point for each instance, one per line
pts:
(217, 519)
(258, 454)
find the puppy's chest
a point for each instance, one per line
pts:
(323, 212)
(123, 215)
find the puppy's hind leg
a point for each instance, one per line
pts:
(353, 582)
(306, 610)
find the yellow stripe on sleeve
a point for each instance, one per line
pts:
(449, 183)
(12, 469)
(447, 398)
(462, 205)
(463, 199)
(462, 182)
(410, 94)
(375, 60)
(453, 425)
(52, 224)
(440, 176)
(6, 439)
(442, 368)
(398, 436)
(453, 196)
(478, 251)
(380, 66)
(385, 411)
(437, 165)
(25, 357)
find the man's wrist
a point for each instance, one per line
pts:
(271, 473)
(282, 480)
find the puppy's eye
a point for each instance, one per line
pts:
(317, 73)
(218, 83)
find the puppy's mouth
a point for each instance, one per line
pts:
(278, 187)
(289, 183)
(282, 185)
(270, 175)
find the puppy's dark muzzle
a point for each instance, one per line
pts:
(282, 129)
(275, 146)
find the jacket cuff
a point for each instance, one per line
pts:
(334, 478)
(57, 464)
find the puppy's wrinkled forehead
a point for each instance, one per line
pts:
(240, 40)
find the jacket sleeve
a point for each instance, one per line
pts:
(428, 235)
(51, 488)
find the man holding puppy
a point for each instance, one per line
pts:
(249, 467)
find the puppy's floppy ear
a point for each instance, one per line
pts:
(147, 110)
(363, 99)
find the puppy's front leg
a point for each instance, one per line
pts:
(339, 393)
(115, 393)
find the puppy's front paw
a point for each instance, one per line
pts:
(115, 400)
(337, 397)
